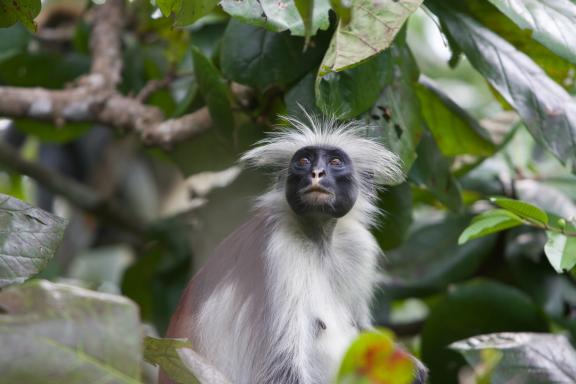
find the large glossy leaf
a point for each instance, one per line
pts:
(473, 309)
(547, 109)
(455, 131)
(68, 334)
(559, 69)
(553, 23)
(561, 251)
(215, 91)
(24, 11)
(523, 209)
(430, 259)
(528, 358)
(432, 172)
(372, 28)
(489, 222)
(29, 238)
(374, 358)
(395, 117)
(249, 53)
(278, 16)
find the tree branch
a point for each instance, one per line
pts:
(76, 193)
(94, 97)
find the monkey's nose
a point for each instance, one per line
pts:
(318, 173)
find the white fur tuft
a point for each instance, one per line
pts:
(370, 158)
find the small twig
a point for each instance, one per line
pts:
(76, 193)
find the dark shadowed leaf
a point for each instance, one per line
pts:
(430, 259)
(561, 251)
(475, 308)
(527, 358)
(523, 209)
(215, 91)
(396, 205)
(455, 131)
(540, 101)
(489, 222)
(29, 238)
(374, 358)
(23, 11)
(395, 118)
(68, 334)
(349, 93)
(279, 16)
(13, 41)
(249, 53)
(301, 95)
(553, 23)
(431, 170)
(371, 29)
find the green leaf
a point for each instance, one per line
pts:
(164, 353)
(69, 335)
(473, 309)
(301, 96)
(553, 23)
(306, 11)
(455, 131)
(23, 11)
(374, 358)
(523, 209)
(29, 238)
(431, 259)
(432, 171)
(248, 53)
(489, 222)
(396, 204)
(524, 357)
(372, 28)
(559, 69)
(395, 117)
(215, 91)
(190, 11)
(539, 100)
(343, 9)
(279, 16)
(560, 251)
(13, 41)
(167, 7)
(48, 132)
(349, 93)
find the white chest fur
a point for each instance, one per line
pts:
(321, 293)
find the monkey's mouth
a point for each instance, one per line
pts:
(316, 189)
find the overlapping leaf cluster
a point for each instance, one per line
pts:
(456, 266)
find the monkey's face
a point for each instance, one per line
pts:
(321, 181)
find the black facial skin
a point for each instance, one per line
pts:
(321, 182)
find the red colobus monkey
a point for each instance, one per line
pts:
(283, 296)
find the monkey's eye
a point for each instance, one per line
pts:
(303, 162)
(336, 162)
